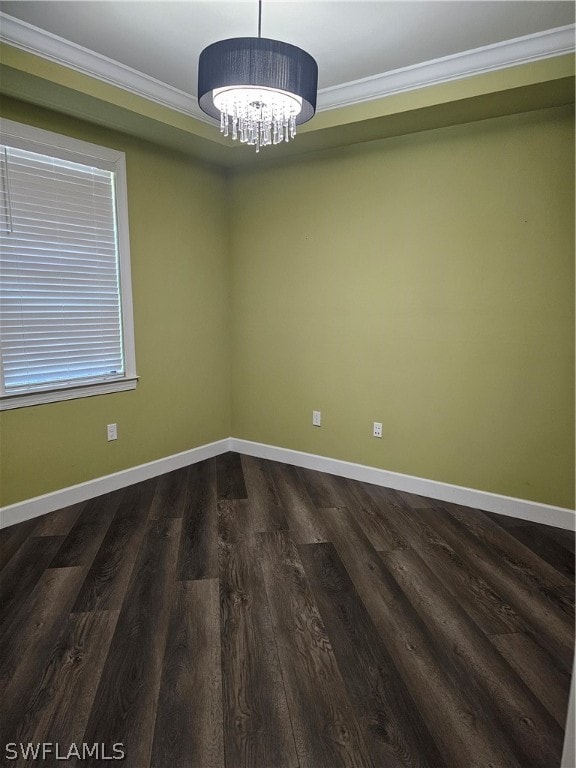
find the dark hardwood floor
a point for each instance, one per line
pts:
(241, 612)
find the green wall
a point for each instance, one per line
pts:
(426, 282)
(180, 282)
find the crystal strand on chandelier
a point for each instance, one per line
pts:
(258, 117)
(266, 129)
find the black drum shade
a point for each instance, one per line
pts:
(257, 62)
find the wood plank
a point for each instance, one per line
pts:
(26, 648)
(391, 496)
(170, 494)
(488, 609)
(198, 555)
(81, 544)
(505, 521)
(537, 539)
(22, 573)
(303, 522)
(536, 667)
(189, 732)
(373, 513)
(466, 734)
(528, 567)
(565, 538)
(543, 619)
(388, 716)
(538, 738)
(325, 727)
(266, 510)
(59, 523)
(257, 730)
(234, 523)
(12, 537)
(124, 708)
(230, 477)
(107, 580)
(61, 700)
(325, 490)
(414, 501)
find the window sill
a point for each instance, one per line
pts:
(22, 400)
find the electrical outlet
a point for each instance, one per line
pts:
(316, 419)
(377, 431)
(112, 432)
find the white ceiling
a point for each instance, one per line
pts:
(349, 39)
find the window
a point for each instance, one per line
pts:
(66, 327)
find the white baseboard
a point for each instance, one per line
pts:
(469, 497)
(49, 502)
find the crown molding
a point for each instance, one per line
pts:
(41, 43)
(489, 58)
(521, 50)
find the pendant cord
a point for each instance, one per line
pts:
(259, 18)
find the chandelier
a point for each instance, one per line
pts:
(259, 89)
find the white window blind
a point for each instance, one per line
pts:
(61, 310)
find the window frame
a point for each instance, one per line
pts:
(76, 150)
